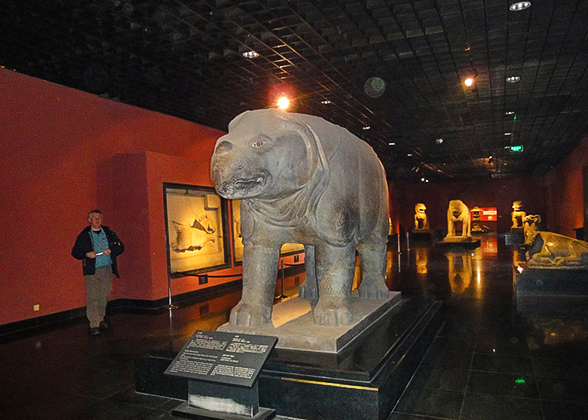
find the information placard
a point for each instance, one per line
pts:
(228, 358)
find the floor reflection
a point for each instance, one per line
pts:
(490, 360)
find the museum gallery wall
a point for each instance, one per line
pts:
(66, 151)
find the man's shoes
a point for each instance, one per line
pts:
(94, 331)
(103, 325)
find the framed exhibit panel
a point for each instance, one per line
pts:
(287, 249)
(196, 229)
(237, 238)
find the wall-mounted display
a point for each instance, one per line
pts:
(287, 249)
(196, 229)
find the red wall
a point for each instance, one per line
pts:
(499, 193)
(59, 161)
(564, 188)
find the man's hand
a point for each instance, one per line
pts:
(91, 254)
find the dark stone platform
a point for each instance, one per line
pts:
(363, 381)
(473, 244)
(421, 235)
(552, 291)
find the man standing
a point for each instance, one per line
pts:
(97, 247)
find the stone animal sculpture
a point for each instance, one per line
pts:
(530, 227)
(421, 222)
(553, 250)
(517, 215)
(302, 179)
(458, 212)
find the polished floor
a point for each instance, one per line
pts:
(489, 361)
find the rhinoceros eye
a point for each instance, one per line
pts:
(258, 143)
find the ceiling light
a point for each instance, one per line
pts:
(518, 6)
(367, 127)
(439, 141)
(509, 112)
(250, 54)
(423, 179)
(283, 103)
(391, 144)
(410, 154)
(513, 79)
(470, 75)
(508, 134)
(325, 102)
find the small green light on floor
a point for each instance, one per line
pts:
(519, 381)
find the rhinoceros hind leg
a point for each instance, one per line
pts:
(250, 315)
(332, 311)
(309, 289)
(373, 268)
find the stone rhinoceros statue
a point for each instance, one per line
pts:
(302, 179)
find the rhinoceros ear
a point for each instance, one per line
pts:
(316, 160)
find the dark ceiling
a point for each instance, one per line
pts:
(394, 66)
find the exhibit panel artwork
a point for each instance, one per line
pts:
(195, 228)
(304, 180)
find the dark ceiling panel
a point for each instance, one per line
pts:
(392, 70)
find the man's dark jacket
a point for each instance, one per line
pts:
(84, 245)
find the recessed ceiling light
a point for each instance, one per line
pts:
(367, 127)
(391, 144)
(410, 154)
(520, 5)
(439, 141)
(508, 134)
(513, 79)
(509, 112)
(326, 102)
(250, 54)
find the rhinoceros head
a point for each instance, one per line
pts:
(266, 154)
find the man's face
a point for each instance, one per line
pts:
(95, 220)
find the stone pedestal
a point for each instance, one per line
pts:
(362, 381)
(293, 324)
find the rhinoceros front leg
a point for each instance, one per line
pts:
(373, 269)
(309, 289)
(260, 270)
(334, 270)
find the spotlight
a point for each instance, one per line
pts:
(439, 141)
(283, 103)
(470, 75)
(513, 79)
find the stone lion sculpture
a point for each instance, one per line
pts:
(421, 222)
(302, 179)
(458, 212)
(553, 250)
(517, 216)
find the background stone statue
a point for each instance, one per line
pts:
(421, 222)
(553, 250)
(517, 214)
(302, 179)
(458, 212)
